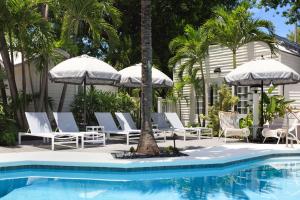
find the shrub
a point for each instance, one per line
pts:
(101, 101)
(8, 130)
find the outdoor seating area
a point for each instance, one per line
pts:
(67, 131)
(132, 100)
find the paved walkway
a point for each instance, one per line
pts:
(204, 151)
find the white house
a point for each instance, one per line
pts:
(219, 62)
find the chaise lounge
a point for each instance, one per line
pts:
(39, 126)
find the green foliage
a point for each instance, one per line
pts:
(8, 130)
(237, 27)
(274, 105)
(291, 11)
(247, 121)
(132, 150)
(100, 101)
(189, 52)
(171, 150)
(169, 18)
(224, 103)
(87, 24)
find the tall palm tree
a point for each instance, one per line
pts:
(87, 18)
(237, 27)
(26, 20)
(190, 51)
(147, 143)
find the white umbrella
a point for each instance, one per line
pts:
(132, 77)
(84, 70)
(258, 72)
(262, 72)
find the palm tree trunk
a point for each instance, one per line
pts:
(10, 76)
(23, 80)
(4, 97)
(147, 144)
(198, 110)
(234, 88)
(43, 89)
(31, 86)
(62, 98)
(46, 89)
(204, 93)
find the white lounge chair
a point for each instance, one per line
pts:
(159, 120)
(178, 127)
(127, 124)
(106, 120)
(277, 129)
(293, 124)
(39, 126)
(229, 125)
(66, 123)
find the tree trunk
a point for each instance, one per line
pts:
(4, 97)
(234, 88)
(204, 93)
(147, 143)
(31, 87)
(10, 76)
(42, 91)
(46, 89)
(23, 80)
(198, 110)
(62, 98)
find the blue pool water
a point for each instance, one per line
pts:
(275, 178)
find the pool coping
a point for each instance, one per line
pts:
(195, 159)
(75, 166)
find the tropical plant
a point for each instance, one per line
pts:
(274, 105)
(100, 101)
(189, 52)
(5, 28)
(237, 27)
(247, 121)
(224, 103)
(290, 11)
(88, 19)
(8, 129)
(88, 24)
(147, 143)
(170, 18)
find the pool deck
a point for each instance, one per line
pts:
(201, 152)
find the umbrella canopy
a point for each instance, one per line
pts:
(258, 72)
(84, 68)
(132, 77)
(262, 72)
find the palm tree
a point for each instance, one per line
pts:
(237, 27)
(87, 18)
(190, 51)
(26, 20)
(147, 143)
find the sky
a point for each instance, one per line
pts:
(281, 28)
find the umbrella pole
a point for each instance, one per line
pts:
(84, 104)
(262, 105)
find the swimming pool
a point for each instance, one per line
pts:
(273, 178)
